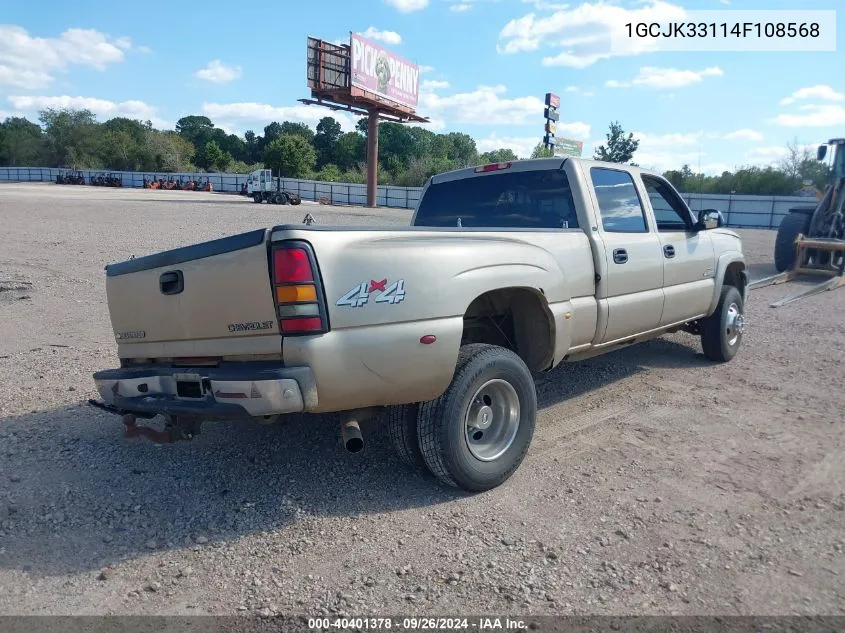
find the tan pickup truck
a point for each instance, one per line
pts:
(506, 271)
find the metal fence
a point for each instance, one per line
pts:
(739, 211)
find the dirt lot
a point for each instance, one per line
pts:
(657, 482)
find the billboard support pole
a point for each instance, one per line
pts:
(372, 157)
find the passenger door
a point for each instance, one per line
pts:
(632, 292)
(688, 256)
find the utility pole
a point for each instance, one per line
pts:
(372, 157)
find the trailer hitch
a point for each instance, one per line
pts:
(177, 428)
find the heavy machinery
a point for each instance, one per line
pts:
(70, 178)
(262, 187)
(811, 240)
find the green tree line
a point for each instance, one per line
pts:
(408, 154)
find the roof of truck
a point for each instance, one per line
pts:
(528, 164)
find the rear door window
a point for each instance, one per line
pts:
(539, 199)
(619, 203)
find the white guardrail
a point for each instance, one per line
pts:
(739, 211)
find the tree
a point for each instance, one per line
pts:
(297, 129)
(73, 137)
(325, 141)
(350, 150)
(194, 127)
(290, 156)
(503, 155)
(215, 156)
(541, 151)
(21, 143)
(620, 148)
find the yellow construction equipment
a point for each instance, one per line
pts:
(811, 240)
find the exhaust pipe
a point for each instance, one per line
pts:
(353, 441)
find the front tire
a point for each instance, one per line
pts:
(722, 331)
(476, 434)
(789, 228)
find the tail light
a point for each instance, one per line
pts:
(492, 167)
(296, 289)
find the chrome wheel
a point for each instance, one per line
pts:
(734, 324)
(492, 420)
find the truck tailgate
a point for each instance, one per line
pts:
(212, 290)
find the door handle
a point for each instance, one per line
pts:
(171, 283)
(620, 256)
(669, 251)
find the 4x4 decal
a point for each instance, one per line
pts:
(359, 295)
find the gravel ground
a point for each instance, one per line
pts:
(657, 482)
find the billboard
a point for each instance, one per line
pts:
(568, 147)
(377, 70)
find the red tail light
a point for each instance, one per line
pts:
(492, 167)
(291, 265)
(310, 324)
(297, 291)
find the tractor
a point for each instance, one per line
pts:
(262, 187)
(811, 240)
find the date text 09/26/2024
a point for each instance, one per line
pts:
(417, 624)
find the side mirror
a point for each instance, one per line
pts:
(709, 219)
(821, 152)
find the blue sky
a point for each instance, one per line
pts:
(487, 63)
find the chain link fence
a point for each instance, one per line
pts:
(739, 211)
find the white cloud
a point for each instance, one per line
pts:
(584, 31)
(744, 134)
(483, 106)
(768, 155)
(408, 6)
(828, 115)
(660, 152)
(487, 106)
(666, 78)
(675, 139)
(433, 84)
(219, 73)
(30, 62)
(388, 37)
(103, 108)
(426, 69)
(543, 5)
(461, 7)
(242, 116)
(522, 146)
(821, 92)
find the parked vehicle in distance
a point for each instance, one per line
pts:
(262, 187)
(506, 271)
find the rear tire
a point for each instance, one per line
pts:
(722, 331)
(402, 426)
(789, 228)
(476, 434)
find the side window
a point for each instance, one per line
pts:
(669, 211)
(619, 203)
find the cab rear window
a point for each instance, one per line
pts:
(538, 199)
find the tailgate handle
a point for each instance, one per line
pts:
(171, 283)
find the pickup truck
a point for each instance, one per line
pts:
(437, 329)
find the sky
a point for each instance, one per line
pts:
(485, 68)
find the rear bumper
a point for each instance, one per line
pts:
(234, 390)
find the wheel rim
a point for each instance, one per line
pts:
(492, 420)
(734, 324)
